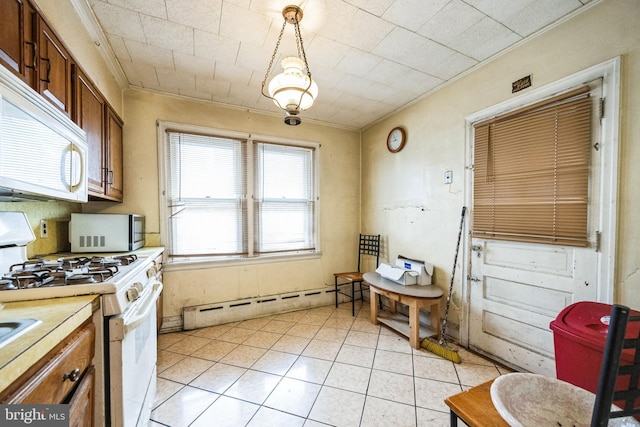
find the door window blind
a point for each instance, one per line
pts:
(531, 173)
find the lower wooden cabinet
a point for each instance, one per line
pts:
(82, 400)
(65, 375)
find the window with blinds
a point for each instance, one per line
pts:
(531, 173)
(210, 181)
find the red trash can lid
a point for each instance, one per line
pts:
(585, 322)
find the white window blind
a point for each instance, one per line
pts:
(210, 180)
(284, 198)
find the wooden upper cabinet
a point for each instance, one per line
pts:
(54, 69)
(34, 53)
(114, 181)
(89, 114)
(17, 39)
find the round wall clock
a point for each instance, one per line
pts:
(396, 139)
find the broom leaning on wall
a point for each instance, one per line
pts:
(440, 347)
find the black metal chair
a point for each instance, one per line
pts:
(369, 245)
(620, 369)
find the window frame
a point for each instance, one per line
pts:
(250, 257)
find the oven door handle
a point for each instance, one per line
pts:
(148, 305)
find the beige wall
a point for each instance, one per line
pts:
(339, 199)
(403, 194)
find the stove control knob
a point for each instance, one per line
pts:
(132, 293)
(152, 271)
(139, 286)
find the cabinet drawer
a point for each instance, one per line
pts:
(53, 382)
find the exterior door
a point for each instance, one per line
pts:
(517, 289)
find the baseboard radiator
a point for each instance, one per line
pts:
(201, 316)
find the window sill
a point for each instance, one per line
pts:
(200, 263)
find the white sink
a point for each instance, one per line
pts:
(12, 329)
(530, 400)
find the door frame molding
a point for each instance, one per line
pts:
(609, 71)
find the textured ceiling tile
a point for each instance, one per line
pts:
(369, 57)
(228, 73)
(140, 75)
(376, 7)
(211, 46)
(202, 67)
(350, 25)
(254, 58)
(196, 94)
(147, 7)
(145, 54)
(413, 50)
(243, 24)
(120, 22)
(168, 35)
(325, 52)
(357, 63)
(241, 3)
(216, 88)
(539, 14)
(484, 39)
(500, 10)
(118, 47)
(451, 66)
(404, 78)
(412, 14)
(451, 21)
(174, 81)
(201, 14)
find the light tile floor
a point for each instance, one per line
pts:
(311, 368)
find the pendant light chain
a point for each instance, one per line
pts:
(301, 47)
(273, 58)
(304, 56)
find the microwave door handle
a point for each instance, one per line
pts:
(143, 312)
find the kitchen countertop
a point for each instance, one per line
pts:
(59, 316)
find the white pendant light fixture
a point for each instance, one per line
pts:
(293, 90)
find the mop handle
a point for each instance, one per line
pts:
(455, 261)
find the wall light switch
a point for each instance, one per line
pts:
(44, 228)
(448, 177)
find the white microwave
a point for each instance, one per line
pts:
(106, 232)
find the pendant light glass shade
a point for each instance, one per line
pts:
(293, 89)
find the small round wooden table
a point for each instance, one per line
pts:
(415, 297)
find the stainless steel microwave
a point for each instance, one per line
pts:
(106, 232)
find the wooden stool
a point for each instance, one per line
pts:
(475, 407)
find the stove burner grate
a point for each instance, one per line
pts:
(65, 271)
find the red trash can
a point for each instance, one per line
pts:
(579, 335)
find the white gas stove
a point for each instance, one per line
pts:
(120, 278)
(128, 286)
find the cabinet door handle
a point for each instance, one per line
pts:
(35, 55)
(109, 177)
(46, 79)
(72, 376)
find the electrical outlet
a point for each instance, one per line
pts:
(448, 177)
(44, 228)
